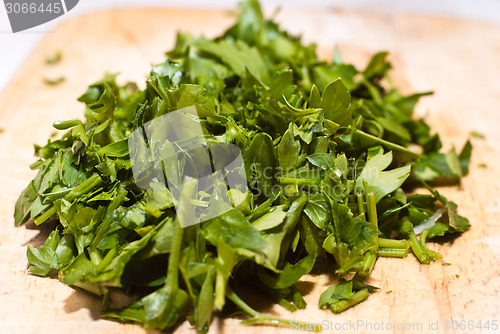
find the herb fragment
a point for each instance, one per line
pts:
(54, 82)
(55, 59)
(477, 135)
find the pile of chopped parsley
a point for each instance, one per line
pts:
(330, 152)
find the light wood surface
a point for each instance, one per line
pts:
(460, 61)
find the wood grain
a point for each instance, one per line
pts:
(458, 60)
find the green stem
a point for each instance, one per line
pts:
(106, 260)
(371, 256)
(241, 304)
(101, 232)
(83, 188)
(388, 144)
(288, 305)
(44, 216)
(356, 298)
(392, 252)
(57, 194)
(418, 249)
(361, 204)
(174, 258)
(368, 263)
(392, 243)
(423, 236)
(433, 256)
(258, 318)
(352, 262)
(372, 214)
(372, 209)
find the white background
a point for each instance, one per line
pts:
(14, 48)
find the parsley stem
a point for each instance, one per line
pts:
(432, 254)
(83, 188)
(286, 304)
(372, 214)
(417, 249)
(352, 262)
(368, 263)
(240, 303)
(392, 252)
(106, 260)
(423, 236)
(174, 258)
(370, 256)
(372, 209)
(388, 144)
(101, 232)
(44, 216)
(361, 205)
(423, 254)
(356, 298)
(392, 243)
(258, 318)
(57, 194)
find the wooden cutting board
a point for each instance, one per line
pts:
(459, 60)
